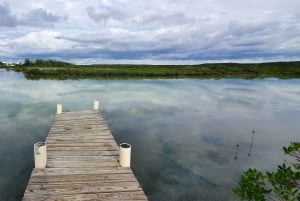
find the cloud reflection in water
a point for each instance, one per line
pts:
(184, 132)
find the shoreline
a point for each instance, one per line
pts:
(62, 70)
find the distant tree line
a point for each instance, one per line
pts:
(40, 68)
(46, 63)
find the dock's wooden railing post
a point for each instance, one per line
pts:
(59, 109)
(40, 155)
(125, 155)
(96, 105)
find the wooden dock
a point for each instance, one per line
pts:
(82, 163)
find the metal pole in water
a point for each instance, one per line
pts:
(236, 152)
(96, 105)
(125, 155)
(40, 155)
(59, 109)
(251, 143)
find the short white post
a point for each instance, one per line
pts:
(125, 155)
(40, 155)
(96, 105)
(59, 109)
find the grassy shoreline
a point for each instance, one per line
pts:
(61, 70)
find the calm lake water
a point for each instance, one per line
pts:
(184, 132)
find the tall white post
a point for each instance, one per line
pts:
(125, 155)
(59, 109)
(40, 155)
(96, 105)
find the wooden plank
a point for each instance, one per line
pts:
(80, 132)
(81, 178)
(83, 140)
(87, 163)
(85, 145)
(83, 152)
(72, 171)
(82, 158)
(96, 187)
(135, 195)
(57, 148)
(80, 136)
(82, 163)
(79, 129)
(85, 125)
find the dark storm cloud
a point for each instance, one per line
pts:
(40, 17)
(171, 19)
(35, 18)
(106, 14)
(7, 19)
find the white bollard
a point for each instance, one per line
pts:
(96, 105)
(125, 155)
(59, 109)
(40, 155)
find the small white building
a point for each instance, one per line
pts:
(9, 63)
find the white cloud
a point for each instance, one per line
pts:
(37, 43)
(168, 30)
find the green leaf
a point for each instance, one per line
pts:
(284, 182)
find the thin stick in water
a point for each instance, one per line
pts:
(236, 152)
(253, 132)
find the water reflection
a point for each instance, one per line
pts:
(184, 132)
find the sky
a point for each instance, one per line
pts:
(152, 32)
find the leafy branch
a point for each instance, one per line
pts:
(282, 184)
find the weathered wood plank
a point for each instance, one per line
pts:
(82, 163)
(57, 148)
(96, 187)
(86, 163)
(93, 133)
(81, 125)
(79, 135)
(135, 195)
(82, 158)
(85, 145)
(71, 171)
(79, 130)
(82, 140)
(80, 178)
(82, 132)
(83, 152)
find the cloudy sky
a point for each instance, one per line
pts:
(156, 31)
